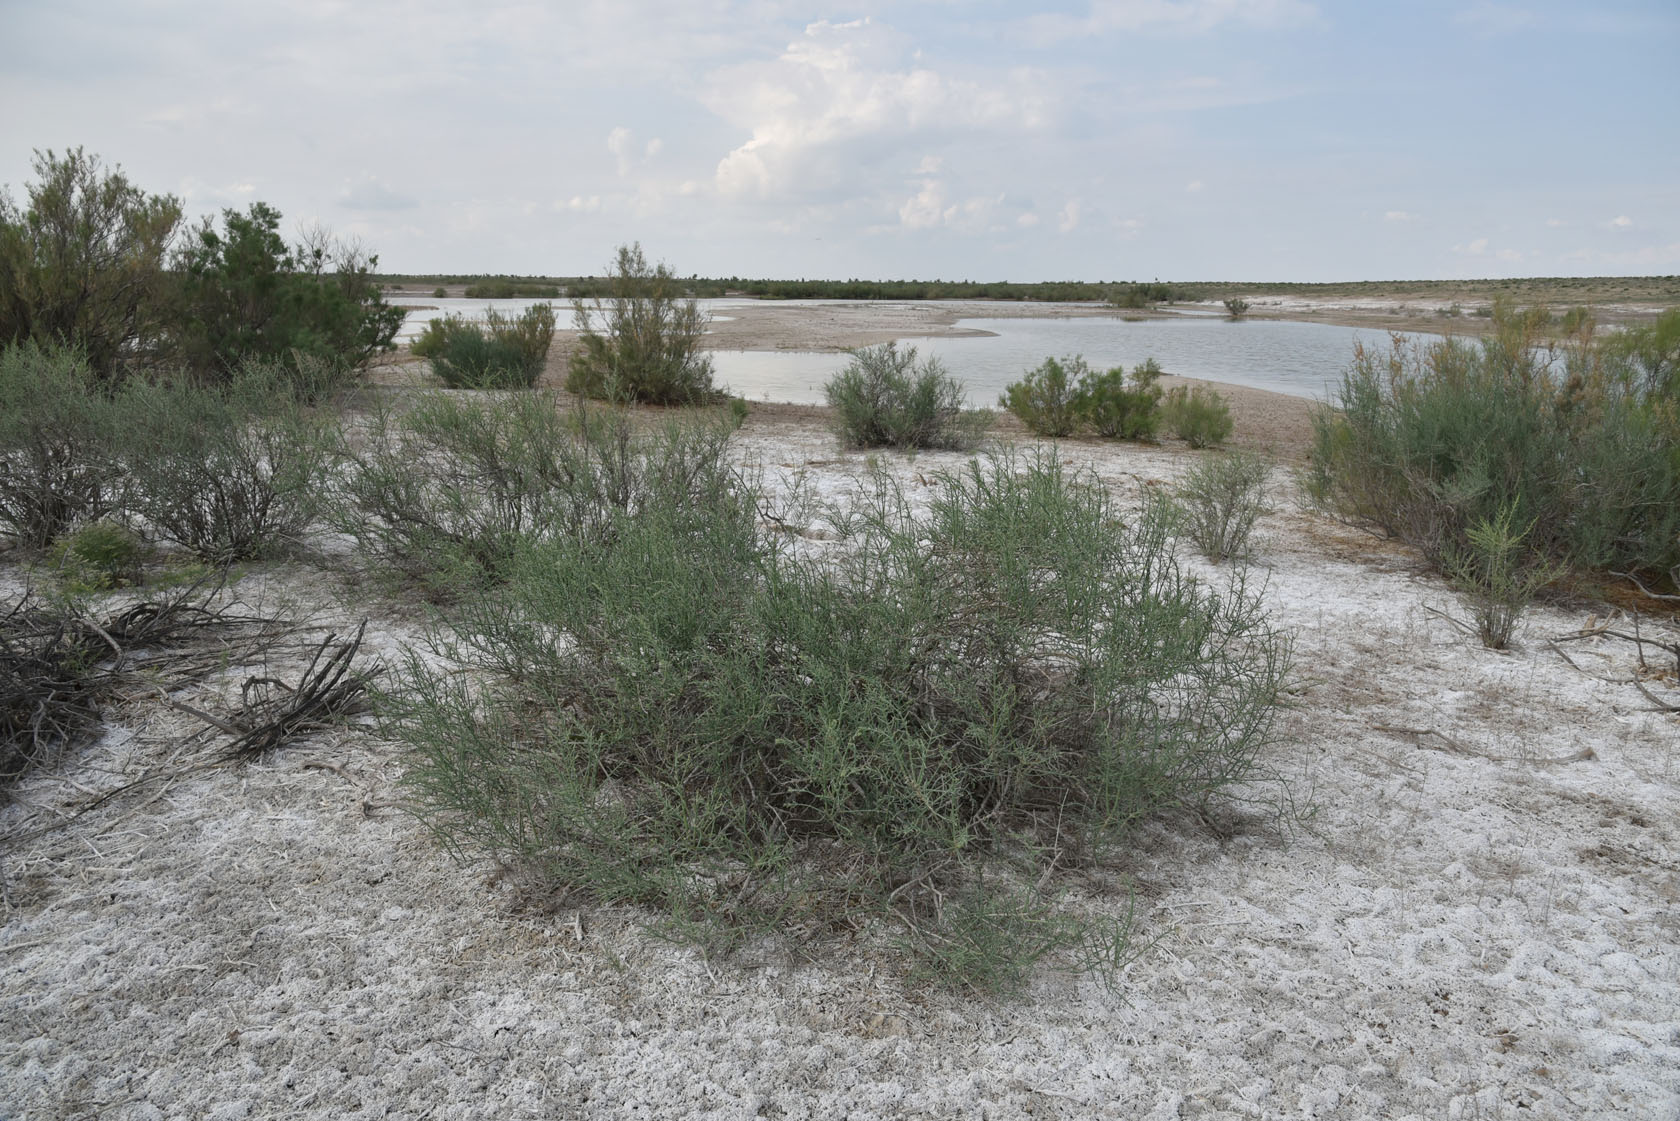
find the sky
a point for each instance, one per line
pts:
(1101, 140)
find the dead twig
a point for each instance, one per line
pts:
(1647, 591)
(275, 712)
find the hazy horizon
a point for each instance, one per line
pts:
(1271, 141)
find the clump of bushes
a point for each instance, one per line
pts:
(87, 263)
(1580, 445)
(231, 472)
(58, 430)
(649, 351)
(1197, 415)
(501, 288)
(1220, 499)
(243, 294)
(1045, 400)
(884, 398)
(920, 730)
(1059, 398)
(447, 489)
(1120, 407)
(498, 352)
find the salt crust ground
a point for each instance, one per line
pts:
(1460, 926)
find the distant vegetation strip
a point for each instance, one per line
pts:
(1527, 290)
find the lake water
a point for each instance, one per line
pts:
(1302, 359)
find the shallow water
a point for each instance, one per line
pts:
(1301, 359)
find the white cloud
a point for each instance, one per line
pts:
(931, 206)
(926, 208)
(580, 204)
(1068, 221)
(618, 143)
(1399, 216)
(1482, 247)
(1621, 222)
(1554, 223)
(1194, 186)
(653, 148)
(1027, 221)
(840, 99)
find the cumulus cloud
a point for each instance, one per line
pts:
(579, 204)
(843, 97)
(1621, 222)
(932, 206)
(1399, 216)
(1068, 221)
(1194, 186)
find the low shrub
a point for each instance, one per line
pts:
(439, 292)
(100, 555)
(1236, 307)
(1046, 399)
(1577, 446)
(1497, 576)
(232, 472)
(1220, 499)
(884, 398)
(445, 490)
(1117, 409)
(1198, 416)
(498, 352)
(920, 729)
(649, 351)
(58, 430)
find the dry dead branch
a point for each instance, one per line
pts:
(274, 711)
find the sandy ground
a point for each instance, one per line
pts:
(1473, 911)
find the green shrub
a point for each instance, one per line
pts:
(1198, 416)
(1116, 409)
(445, 490)
(1236, 307)
(82, 264)
(1220, 500)
(501, 352)
(650, 350)
(502, 288)
(883, 398)
(58, 430)
(1496, 576)
(682, 715)
(243, 294)
(232, 472)
(1046, 399)
(1429, 441)
(100, 555)
(439, 292)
